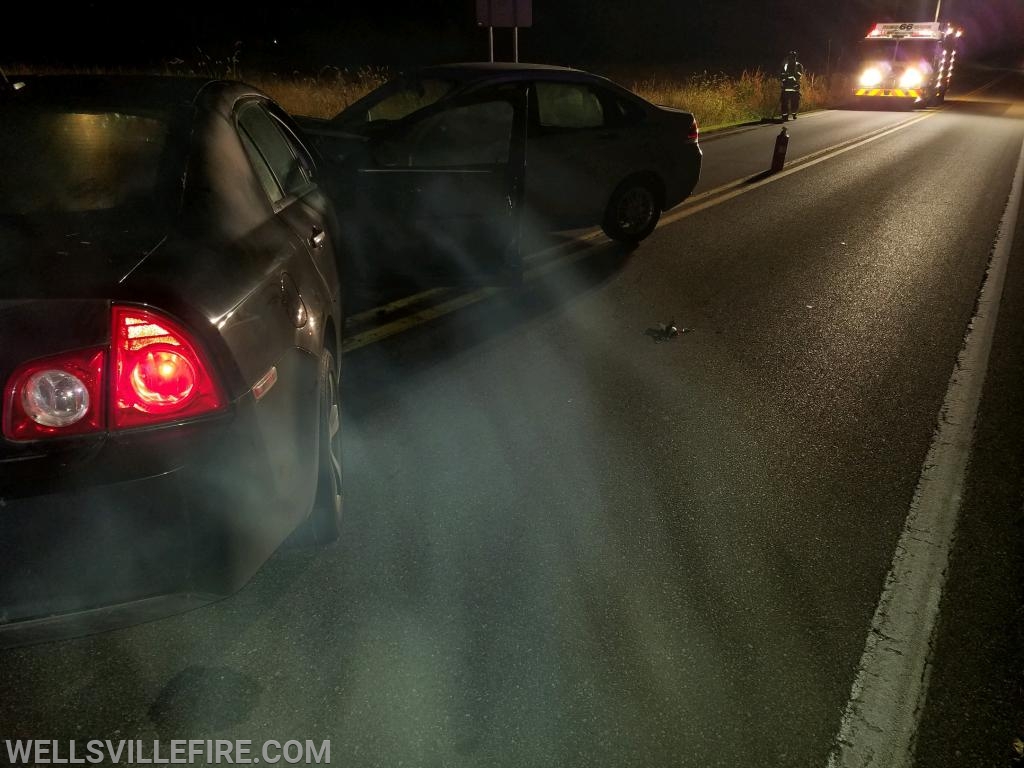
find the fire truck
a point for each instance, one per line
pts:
(907, 62)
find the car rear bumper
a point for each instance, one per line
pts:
(67, 552)
(198, 509)
(94, 620)
(680, 185)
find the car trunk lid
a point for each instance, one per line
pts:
(70, 256)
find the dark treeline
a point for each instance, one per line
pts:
(305, 35)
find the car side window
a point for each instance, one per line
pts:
(263, 172)
(284, 123)
(270, 144)
(568, 105)
(472, 134)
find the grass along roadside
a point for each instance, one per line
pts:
(717, 100)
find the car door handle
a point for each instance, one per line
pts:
(318, 237)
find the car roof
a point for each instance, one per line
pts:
(502, 66)
(470, 75)
(506, 71)
(110, 91)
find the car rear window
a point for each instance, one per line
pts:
(568, 105)
(53, 160)
(625, 112)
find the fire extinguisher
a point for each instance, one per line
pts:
(779, 156)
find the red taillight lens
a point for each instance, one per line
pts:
(162, 378)
(694, 131)
(159, 373)
(56, 396)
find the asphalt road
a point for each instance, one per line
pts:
(568, 544)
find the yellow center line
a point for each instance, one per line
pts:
(427, 314)
(394, 306)
(742, 187)
(743, 183)
(417, 298)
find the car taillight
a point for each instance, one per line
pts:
(152, 372)
(159, 374)
(694, 131)
(56, 396)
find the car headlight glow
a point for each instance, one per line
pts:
(870, 77)
(911, 78)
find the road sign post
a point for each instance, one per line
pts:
(507, 14)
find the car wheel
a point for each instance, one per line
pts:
(325, 519)
(633, 210)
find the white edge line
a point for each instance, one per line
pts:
(879, 725)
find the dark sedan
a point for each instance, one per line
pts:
(442, 161)
(170, 321)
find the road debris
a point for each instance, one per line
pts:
(666, 332)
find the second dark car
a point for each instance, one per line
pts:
(443, 161)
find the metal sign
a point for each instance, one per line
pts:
(504, 13)
(897, 30)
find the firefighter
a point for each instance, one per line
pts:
(792, 72)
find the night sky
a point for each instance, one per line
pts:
(719, 34)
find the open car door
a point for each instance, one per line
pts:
(437, 197)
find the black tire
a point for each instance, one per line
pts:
(633, 210)
(324, 524)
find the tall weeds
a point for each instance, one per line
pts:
(717, 100)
